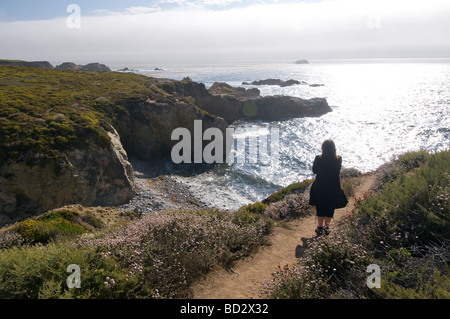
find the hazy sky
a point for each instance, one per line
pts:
(112, 31)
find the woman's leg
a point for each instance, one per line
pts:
(320, 220)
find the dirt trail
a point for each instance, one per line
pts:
(243, 281)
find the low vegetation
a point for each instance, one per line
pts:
(152, 256)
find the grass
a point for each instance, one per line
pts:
(403, 228)
(295, 188)
(60, 110)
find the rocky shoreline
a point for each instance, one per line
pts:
(157, 189)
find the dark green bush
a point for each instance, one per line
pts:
(295, 188)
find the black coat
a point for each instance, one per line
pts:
(326, 189)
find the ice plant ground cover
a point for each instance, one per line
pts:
(154, 256)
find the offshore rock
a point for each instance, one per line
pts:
(223, 89)
(232, 104)
(275, 82)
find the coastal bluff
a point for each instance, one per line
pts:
(66, 136)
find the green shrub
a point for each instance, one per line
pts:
(66, 214)
(295, 188)
(65, 227)
(257, 207)
(413, 209)
(53, 225)
(436, 287)
(41, 272)
(33, 231)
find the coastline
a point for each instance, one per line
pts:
(157, 189)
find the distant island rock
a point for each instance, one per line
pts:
(275, 82)
(302, 61)
(127, 69)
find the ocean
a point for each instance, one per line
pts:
(380, 108)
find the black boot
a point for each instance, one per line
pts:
(319, 230)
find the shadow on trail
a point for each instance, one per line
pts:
(300, 249)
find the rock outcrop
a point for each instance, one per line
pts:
(70, 66)
(67, 66)
(146, 129)
(34, 64)
(275, 82)
(223, 89)
(233, 104)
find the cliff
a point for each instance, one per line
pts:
(65, 136)
(68, 66)
(35, 64)
(92, 175)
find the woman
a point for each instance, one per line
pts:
(326, 193)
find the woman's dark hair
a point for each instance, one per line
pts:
(329, 149)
